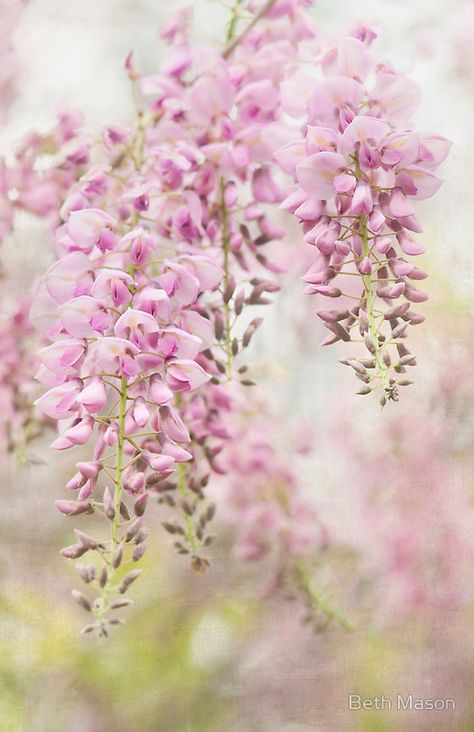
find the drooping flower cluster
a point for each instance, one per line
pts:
(273, 517)
(160, 250)
(163, 235)
(358, 167)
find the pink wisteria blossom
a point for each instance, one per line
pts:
(162, 235)
(359, 166)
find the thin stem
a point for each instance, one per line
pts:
(230, 48)
(227, 311)
(318, 601)
(188, 522)
(118, 464)
(369, 297)
(233, 21)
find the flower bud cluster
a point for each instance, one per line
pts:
(359, 168)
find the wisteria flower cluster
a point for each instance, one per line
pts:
(160, 251)
(358, 167)
(163, 235)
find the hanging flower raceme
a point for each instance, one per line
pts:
(160, 250)
(163, 234)
(360, 167)
(272, 515)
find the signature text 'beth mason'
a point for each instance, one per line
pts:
(401, 702)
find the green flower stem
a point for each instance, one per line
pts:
(317, 600)
(188, 522)
(369, 297)
(233, 21)
(227, 310)
(118, 464)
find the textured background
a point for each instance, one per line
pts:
(208, 655)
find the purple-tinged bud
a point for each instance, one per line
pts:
(386, 359)
(140, 505)
(128, 579)
(408, 360)
(329, 340)
(219, 326)
(80, 433)
(363, 322)
(409, 245)
(87, 572)
(85, 540)
(399, 267)
(399, 331)
(141, 536)
(339, 331)
(343, 183)
(383, 244)
(397, 311)
(414, 295)
(124, 512)
(81, 600)
(376, 220)
(86, 490)
(100, 444)
(89, 469)
(396, 290)
(103, 577)
(159, 392)
(362, 199)
(88, 629)
(229, 290)
(140, 412)
(416, 319)
(117, 604)
(133, 529)
(332, 316)
(172, 425)
(160, 463)
(94, 396)
(111, 434)
(328, 291)
(343, 248)
(74, 551)
(138, 552)
(239, 301)
(364, 390)
(135, 483)
(74, 508)
(76, 482)
(108, 504)
(417, 274)
(357, 366)
(117, 557)
(370, 345)
(365, 266)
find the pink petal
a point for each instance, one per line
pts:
(316, 175)
(363, 129)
